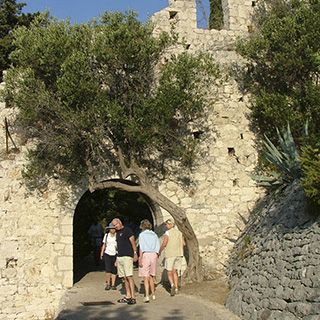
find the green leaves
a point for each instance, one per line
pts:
(10, 18)
(283, 68)
(310, 160)
(282, 74)
(86, 91)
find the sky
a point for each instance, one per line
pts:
(81, 11)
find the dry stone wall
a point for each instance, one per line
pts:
(36, 228)
(275, 269)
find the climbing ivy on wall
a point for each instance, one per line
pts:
(216, 15)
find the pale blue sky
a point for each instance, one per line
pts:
(80, 11)
(84, 10)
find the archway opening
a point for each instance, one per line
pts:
(102, 206)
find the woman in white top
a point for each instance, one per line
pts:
(109, 253)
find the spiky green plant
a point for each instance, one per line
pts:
(283, 161)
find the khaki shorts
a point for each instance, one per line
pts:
(125, 266)
(173, 263)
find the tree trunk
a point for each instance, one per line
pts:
(194, 272)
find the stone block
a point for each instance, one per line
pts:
(300, 309)
(65, 263)
(8, 290)
(277, 304)
(315, 308)
(311, 317)
(277, 315)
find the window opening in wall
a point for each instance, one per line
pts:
(216, 15)
(231, 151)
(173, 14)
(197, 134)
(241, 136)
(203, 13)
(253, 3)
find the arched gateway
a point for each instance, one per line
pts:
(102, 206)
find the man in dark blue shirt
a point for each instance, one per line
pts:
(126, 255)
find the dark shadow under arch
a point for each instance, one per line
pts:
(103, 206)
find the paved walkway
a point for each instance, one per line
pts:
(90, 290)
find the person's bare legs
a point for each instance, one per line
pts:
(146, 285)
(175, 278)
(151, 284)
(108, 275)
(127, 287)
(113, 280)
(170, 277)
(131, 286)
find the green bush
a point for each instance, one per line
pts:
(283, 66)
(310, 160)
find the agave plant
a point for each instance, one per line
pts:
(284, 160)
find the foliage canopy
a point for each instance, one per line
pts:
(282, 73)
(88, 93)
(10, 18)
(283, 66)
(108, 99)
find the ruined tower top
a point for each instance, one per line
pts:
(236, 14)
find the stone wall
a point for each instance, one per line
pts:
(275, 269)
(35, 241)
(36, 228)
(224, 190)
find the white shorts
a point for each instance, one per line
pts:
(173, 263)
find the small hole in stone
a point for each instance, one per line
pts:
(188, 46)
(253, 3)
(241, 135)
(235, 182)
(197, 134)
(172, 14)
(231, 151)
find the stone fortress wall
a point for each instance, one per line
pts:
(224, 189)
(36, 241)
(275, 267)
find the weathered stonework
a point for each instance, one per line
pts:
(275, 269)
(36, 229)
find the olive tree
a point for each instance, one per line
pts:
(107, 99)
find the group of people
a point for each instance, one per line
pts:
(119, 251)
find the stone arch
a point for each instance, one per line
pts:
(83, 216)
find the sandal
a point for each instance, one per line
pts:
(132, 301)
(123, 300)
